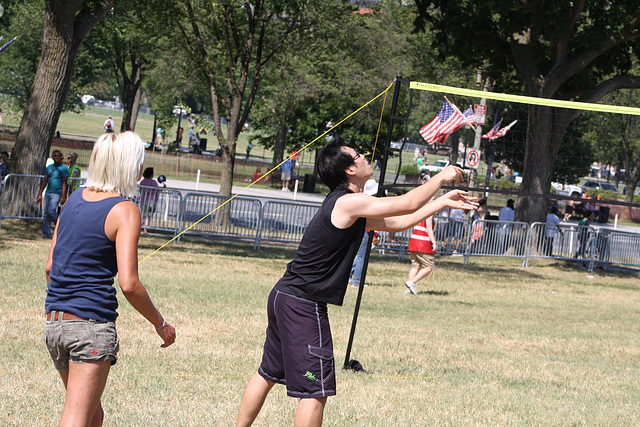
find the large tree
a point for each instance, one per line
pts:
(580, 50)
(617, 138)
(314, 83)
(66, 25)
(230, 42)
(125, 41)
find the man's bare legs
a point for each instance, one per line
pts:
(308, 414)
(85, 383)
(253, 399)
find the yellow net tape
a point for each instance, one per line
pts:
(603, 108)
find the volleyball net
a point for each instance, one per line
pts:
(501, 140)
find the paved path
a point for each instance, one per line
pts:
(255, 192)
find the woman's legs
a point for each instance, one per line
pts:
(85, 383)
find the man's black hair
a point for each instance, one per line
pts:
(148, 173)
(331, 164)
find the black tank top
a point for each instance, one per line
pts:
(320, 270)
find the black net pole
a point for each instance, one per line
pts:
(353, 364)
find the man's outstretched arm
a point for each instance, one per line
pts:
(455, 199)
(350, 207)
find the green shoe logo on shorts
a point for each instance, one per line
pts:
(310, 376)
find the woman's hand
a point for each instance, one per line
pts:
(167, 333)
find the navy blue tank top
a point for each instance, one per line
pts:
(320, 270)
(84, 261)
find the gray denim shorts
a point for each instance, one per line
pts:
(81, 341)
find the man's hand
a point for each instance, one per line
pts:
(459, 199)
(451, 173)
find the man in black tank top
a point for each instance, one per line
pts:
(298, 350)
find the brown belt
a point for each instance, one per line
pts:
(55, 315)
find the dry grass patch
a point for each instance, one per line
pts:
(491, 343)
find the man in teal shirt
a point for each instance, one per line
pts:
(55, 180)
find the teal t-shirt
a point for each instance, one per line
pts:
(55, 174)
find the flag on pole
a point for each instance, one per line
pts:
(446, 122)
(494, 133)
(504, 130)
(7, 44)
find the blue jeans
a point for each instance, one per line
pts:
(358, 261)
(49, 211)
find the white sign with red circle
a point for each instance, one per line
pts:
(472, 158)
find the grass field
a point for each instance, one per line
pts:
(490, 343)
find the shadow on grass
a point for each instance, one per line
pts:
(435, 293)
(14, 230)
(196, 246)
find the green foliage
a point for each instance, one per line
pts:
(409, 170)
(20, 60)
(616, 137)
(487, 32)
(604, 194)
(505, 184)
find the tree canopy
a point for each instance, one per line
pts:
(580, 50)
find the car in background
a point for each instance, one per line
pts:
(178, 110)
(567, 190)
(88, 99)
(597, 185)
(437, 166)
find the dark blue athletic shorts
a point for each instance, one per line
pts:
(298, 350)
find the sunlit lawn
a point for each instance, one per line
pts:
(490, 343)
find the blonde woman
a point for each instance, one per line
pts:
(96, 239)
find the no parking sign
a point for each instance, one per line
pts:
(472, 158)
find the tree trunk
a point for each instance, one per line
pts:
(131, 94)
(546, 127)
(134, 110)
(453, 154)
(66, 26)
(278, 149)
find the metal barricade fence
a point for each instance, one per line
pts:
(74, 184)
(19, 194)
(159, 208)
(616, 247)
(165, 209)
(239, 218)
(451, 234)
(498, 239)
(394, 242)
(284, 221)
(564, 241)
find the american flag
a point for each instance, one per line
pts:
(494, 133)
(447, 121)
(490, 135)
